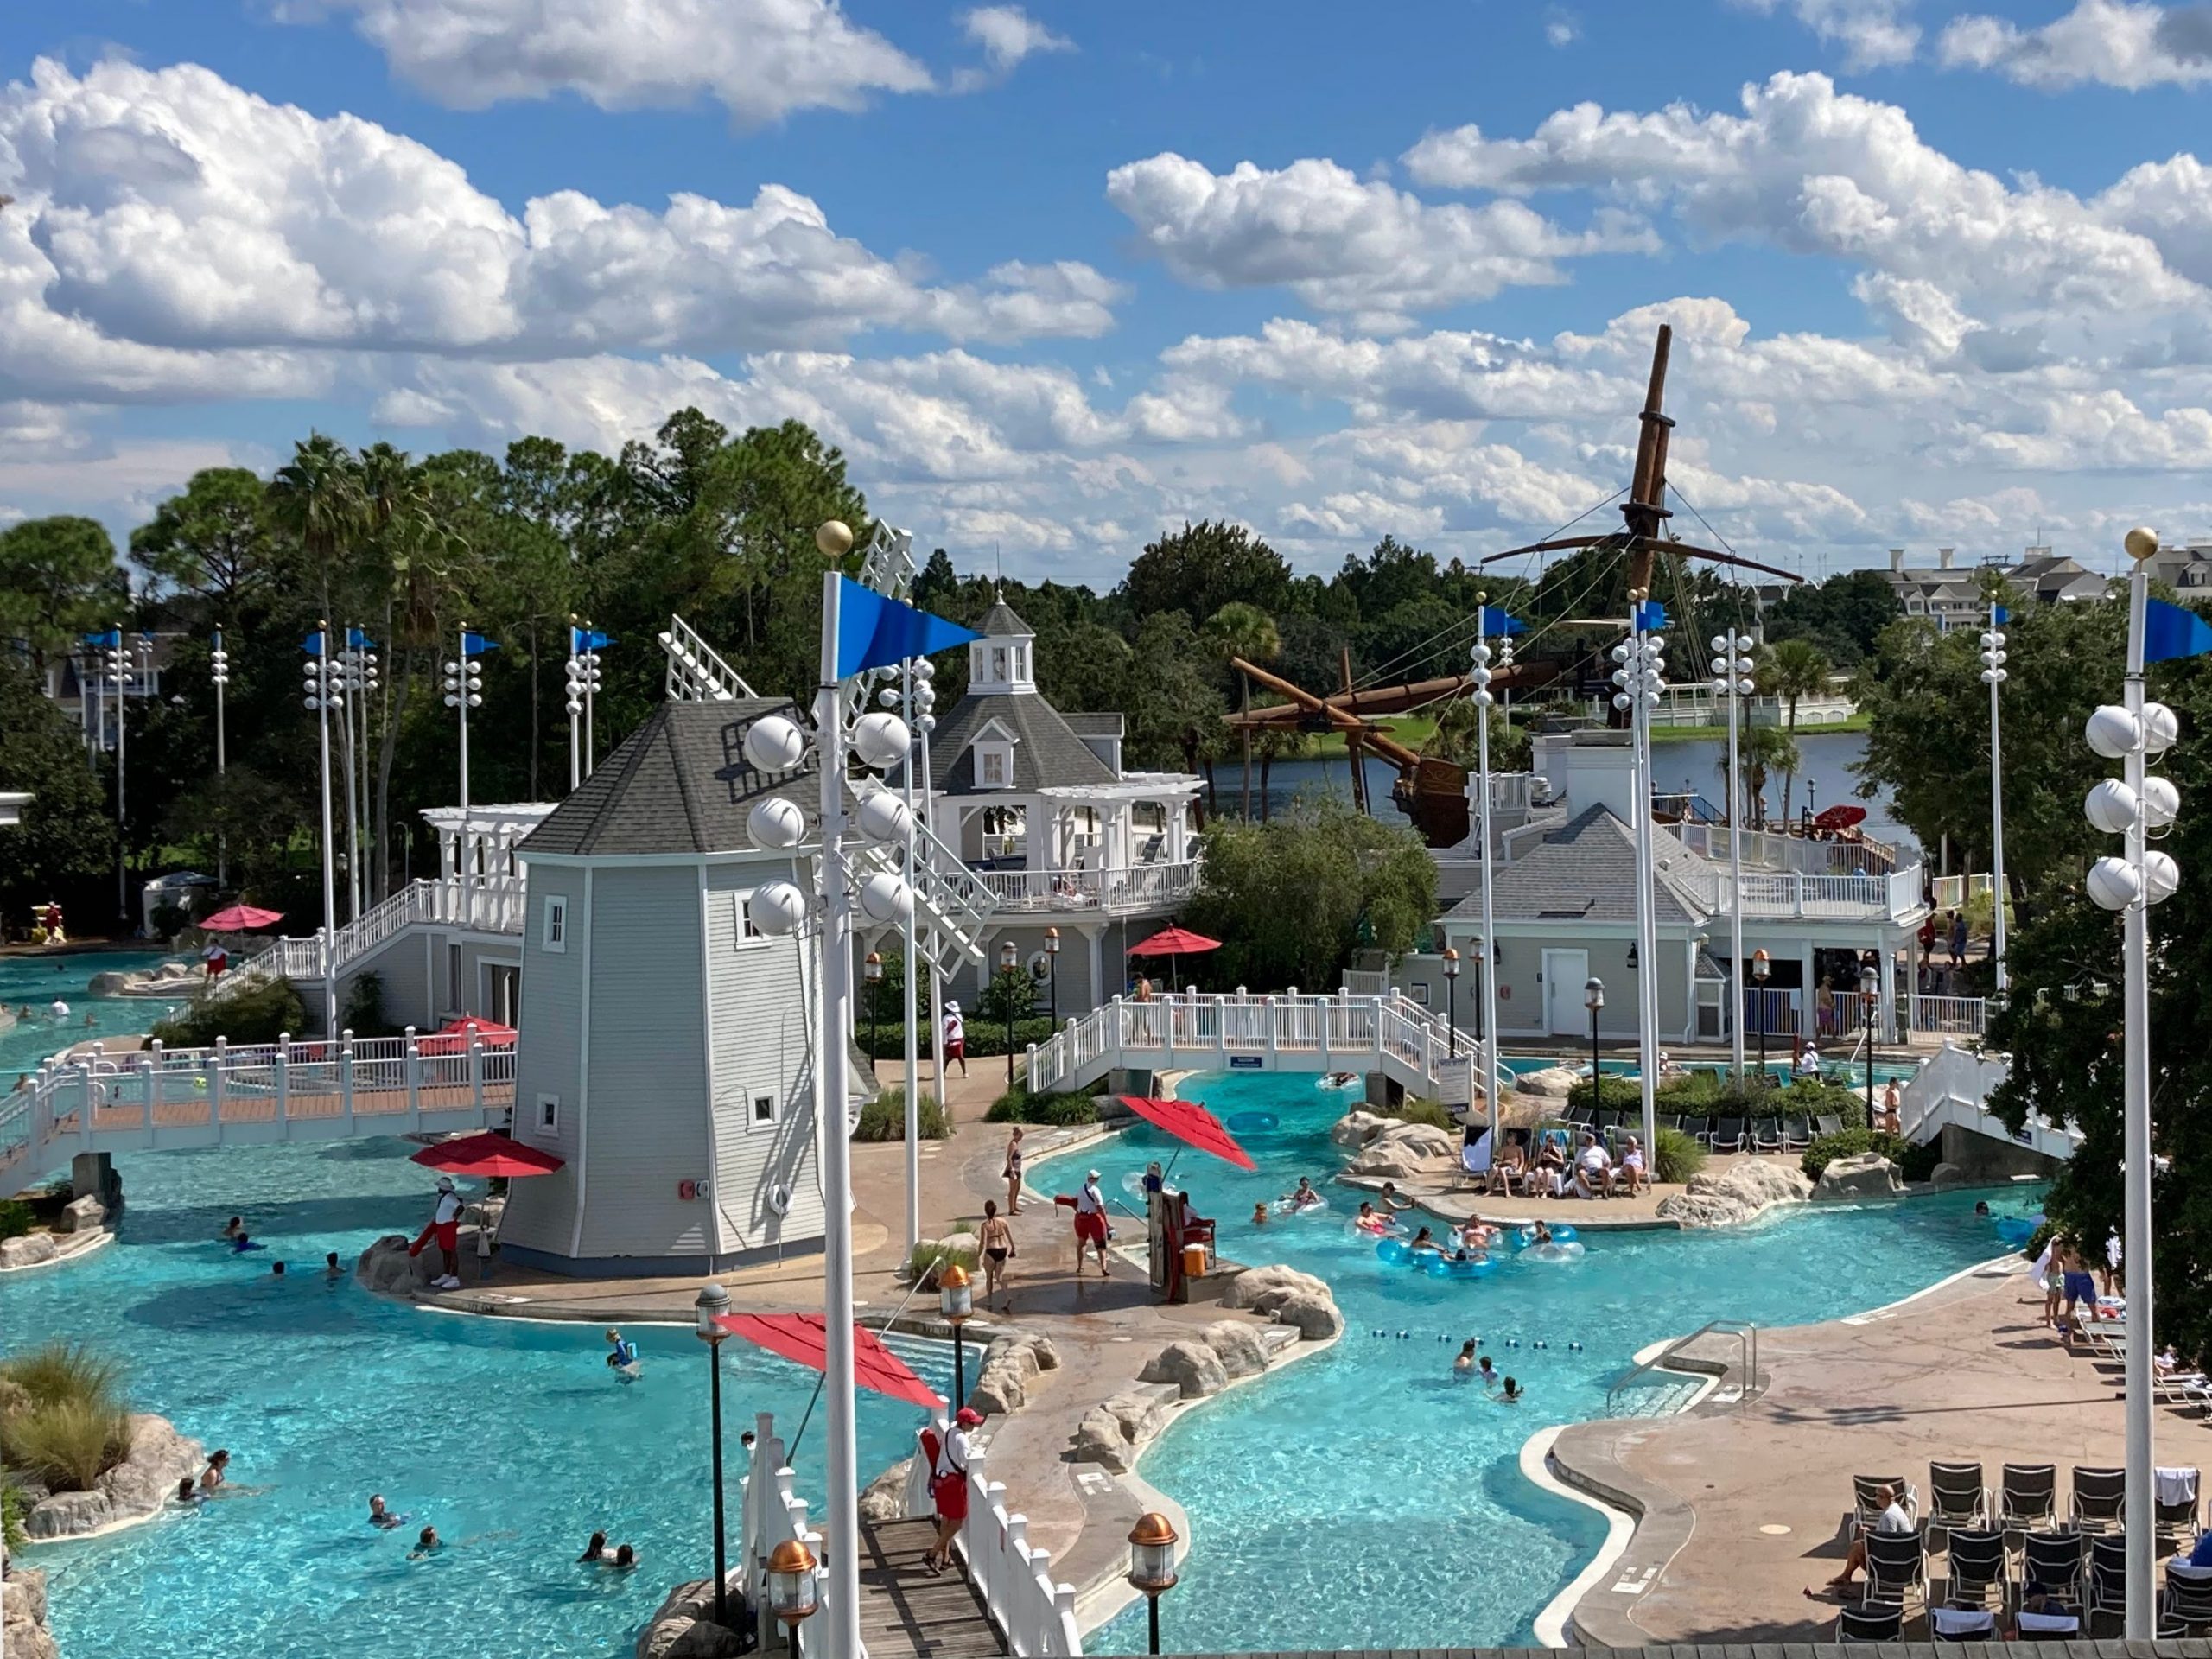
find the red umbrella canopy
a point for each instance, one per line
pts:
(1174, 942)
(1840, 817)
(487, 1153)
(452, 1036)
(240, 918)
(1190, 1122)
(801, 1339)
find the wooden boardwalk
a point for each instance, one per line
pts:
(904, 1611)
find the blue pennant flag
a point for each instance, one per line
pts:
(1650, 616)
(583, 639)
(1999, 616)
(474, 644)
(2170, 632)
(1496, 621)
(312, 643)
(357, 640)
(873, 631)
(110, 639)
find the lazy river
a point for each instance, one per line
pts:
(1365, 1497)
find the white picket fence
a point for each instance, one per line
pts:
(1034, 1614)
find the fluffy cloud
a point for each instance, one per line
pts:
(1872, 33)
(2106, 42)
(1365, 249)
(161, 216)
(760, 58)
(1008, 34)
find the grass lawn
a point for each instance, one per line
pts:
(1689, 733)
(1412, 730)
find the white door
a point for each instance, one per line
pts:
(1564, 974)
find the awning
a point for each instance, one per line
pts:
(240, 918)
(486, 1153)
(1192, 1123)
(801, 1339)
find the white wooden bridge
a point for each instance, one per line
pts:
(252, 1094)
(1198, 1031)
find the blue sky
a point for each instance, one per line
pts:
(1058, 278)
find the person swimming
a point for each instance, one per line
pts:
(234, 1229)
(381, 1518)
(625, 1557)
(1369, 1220)
(595, 1550)
(1487, 1372)
(241, 1243)
(187, 1493)
(1464, 1364)
(1259, 1215)
(1543, 1234)
(1423, 1241)
(1511, 1395)
(330, 1267)
(427, 1543)
(622, 1354)
(1305, 1196)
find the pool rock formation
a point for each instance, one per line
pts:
(1392, 1148)
(23, 1634)
(1287, 1297)
(1863, 1175)
(682, 1627)
(134, 1490)
(1011, 1364)
(1738, 1193)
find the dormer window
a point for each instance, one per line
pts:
(994, 765)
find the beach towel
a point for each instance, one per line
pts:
(1475, 1159)
(2177, 1487)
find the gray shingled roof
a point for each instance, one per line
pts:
(999, 621)
(1047, 753)
(679, 783)
(1584, 870)
(1094, 725)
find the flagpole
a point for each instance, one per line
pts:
(913, 1125)
(2136, 1165)
(347, 679)
(1488, 967)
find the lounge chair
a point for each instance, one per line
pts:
(1796, 1133)
(2189, 1593)
(1896, 1566)
(1698, 1129)
(1670, 1121)
(2109, 1575)
(1957, 1499)
(2027, 1494)
(2054, 1621)
(1869, 1624)
(1962, 1623)
(1726, 1134)
(1867, 1502)
(2099, 1496)
(1978, 1563)
(1828, 1123)
(2054, 1560)
(1766, 1135)
(2173, 1502)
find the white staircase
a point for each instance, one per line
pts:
(696, 672)
(1953, 1088)
(487, 906)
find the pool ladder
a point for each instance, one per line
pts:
(1747, 1344)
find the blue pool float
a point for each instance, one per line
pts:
(2015, 1229)
(1440, 1267)
(1394, 1252)
(1560, 1236)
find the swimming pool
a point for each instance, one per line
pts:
(1835, 1072)
(37, 981)
(1366, 1498)
(512, 1438)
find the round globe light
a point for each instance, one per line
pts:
(2161, 876)
(2112, 884)
(2111, 730)
(883, 816)
(776, 908)
(2160, 728)
(2161, 802)
(2110, 806)
(881, 740)
(1993, 676)
(1719, 642)
(1479, 655)
(776, 823)
(884, 898)
(775, 743)
(835, 538)
(1620, 699)
(925, 669)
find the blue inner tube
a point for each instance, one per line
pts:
(1395, 1251)
(1439, 1267)
(2014, 1230)
(1252, 1122)
(1569, 1251)
(1559, 1235)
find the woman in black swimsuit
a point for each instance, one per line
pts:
(996, 1238)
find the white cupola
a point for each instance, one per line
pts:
(1002, 662)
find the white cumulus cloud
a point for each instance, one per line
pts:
(2108, 42)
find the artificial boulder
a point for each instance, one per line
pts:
(386, 1268)
(1723, 1198)
(1408, 1152)
(1112, 1432)
(27, 1251)
(84, 1215)
(23, 1634)
(1862, 1176)
(884, 1498)
(1356, 1128)
(68, 1515)
(681, 1627)
(1287, 1297)
(1192, 1367)
(1552, 1082)
(1237, 1346)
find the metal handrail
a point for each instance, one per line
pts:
(1747, 1342)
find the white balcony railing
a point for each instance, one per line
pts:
(1817, 898)
(1791, 855)
(1136, 887)
(493, 905)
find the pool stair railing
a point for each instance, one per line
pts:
(1738, 1373)
(1952, 1090)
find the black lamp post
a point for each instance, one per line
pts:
(1053, 971)
(871, 971)
(1152, 1563)
(955, 1302)
(712, 1304)
(1451, 999)
(1762, 965)
(1869, 989)
(1593, 998)
(1010, 955)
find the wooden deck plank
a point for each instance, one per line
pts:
(904, 1611)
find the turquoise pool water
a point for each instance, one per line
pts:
(37, 981)
(1884, 1070)
(512, 1439)
(1366, 1498)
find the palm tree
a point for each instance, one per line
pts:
(1241, 630)
(1794, 669)
(317, 495)
(1759, 750)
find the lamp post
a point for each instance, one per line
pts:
(219, 671)
(1992, 676)
(917, 697)
(1731, 671)
(2140, 878)
(1053, 971)
(1641, 678)
(1869, 988)
(871, 971)
(357, 663)
(465, 691)
(583, 683)
(1762, 965)
(956, 1300)
(1593, 998)
(1152, 1564)
(1451, 1001)
(712, 1304)
(1009, 954)
(325, 686)
(1481, 677)
(794, 1593)
(119, 671)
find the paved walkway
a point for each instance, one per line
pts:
(1742, 1509)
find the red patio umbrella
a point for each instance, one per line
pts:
(452, 1036)
(1840, 817)
(1192, 1123)
(1173, 942)
(486, 1153)
(240, 918)
(801, 1339)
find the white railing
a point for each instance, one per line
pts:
(1013, 1577)
(696, 672)
(769, 1513)
(1134, 887)
(1956, 1016)
(1954, 1087)
(1765, 850)
(1840, 898)
(283, 1090)
(492, 904)
(1952, 892)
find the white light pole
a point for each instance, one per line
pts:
(1640, 679)
(464, 691)
(118, 673)
(360, 663)
(219, 670)
(1487, 966)
(583, 692)
(915, 698)
(325, 686)
(2130, 884)
(1732, 669)
(1992, 676)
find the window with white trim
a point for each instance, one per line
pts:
(994, 765)
(763, 1110)
(555, 936)
(998, 665)
(746, 929)
(548, 1114)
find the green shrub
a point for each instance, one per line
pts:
(1419, 1109)
(1912, 1163)
(986, 1039)
(11, 1516)
(69, 1443)
(925, 1258)
(64, 1371)
(1012, 1106)
(1018, 1105)
(15, 1218)
(1612, 1094)
(884, 1118)
(2037, 1240)
(365, 1015)
(256, 1012)
(1677, 1157)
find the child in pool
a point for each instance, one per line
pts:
(1259, 1215)
(1464, 1364)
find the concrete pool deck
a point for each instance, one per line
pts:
(1964, 1371)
